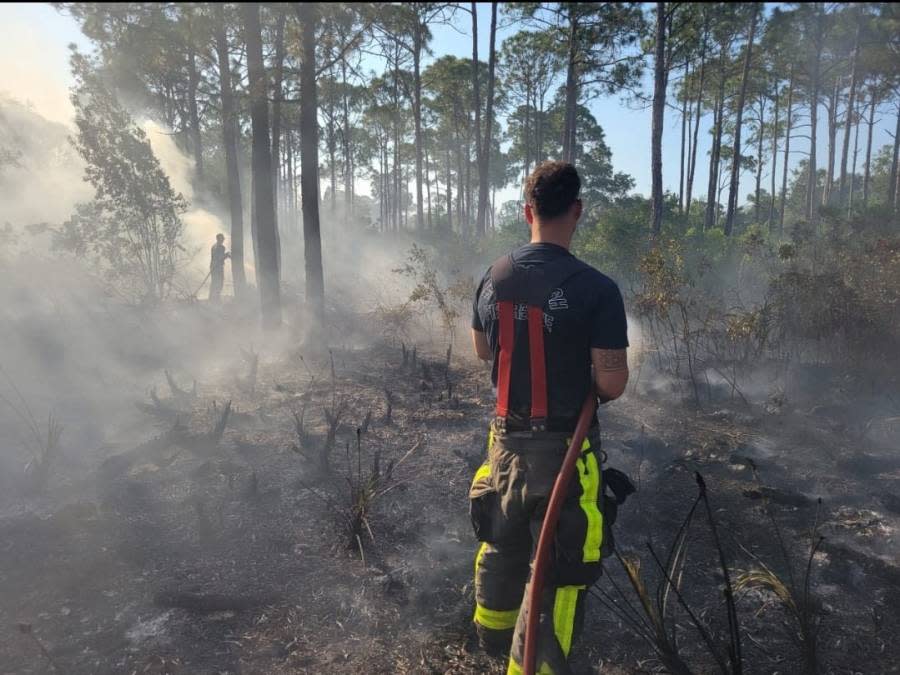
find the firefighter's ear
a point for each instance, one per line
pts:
(577, 210)
(529, 214)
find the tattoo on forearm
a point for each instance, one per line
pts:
(610, 360)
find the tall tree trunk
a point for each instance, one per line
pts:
(693, 158)
(736, 150)
(476, 90)
(196, 143)
(812, 211)
(449, 192)
(254, 221)
(289, 182)
(871, 124)
(230, 144)
(428, 185)
(892, 185)
(787, 146)
(851, 101)
(722, 186)
(309, 160)
(347, 145)
(296, 203)
(685, 131)
(571, 90)
(193, 81)
(331, 142)
(527, 127)
(493, 205)
(398, 196)
(399, 206)
(417, 117)
(460, 189)
(852, 186)
(897, 179)
(278, 94)
(759, 157)
(776, 100)
(382, 185)
(659, 105)
(484, 162)
(718, 113)
(261, 158)
(539, 132)
(709, 213)
(468, 165)
(832, 137)
(489, 111)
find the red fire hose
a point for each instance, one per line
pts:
(548, 531)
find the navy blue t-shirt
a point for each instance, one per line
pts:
(585, 311)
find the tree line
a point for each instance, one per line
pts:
(771, 74)
(279, 102)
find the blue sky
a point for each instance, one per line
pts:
(34, 60)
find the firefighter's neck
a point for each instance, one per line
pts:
(554, 232)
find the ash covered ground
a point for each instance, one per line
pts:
(198, 532)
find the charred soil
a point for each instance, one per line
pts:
(219, 543)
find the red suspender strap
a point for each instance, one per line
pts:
(506, 313)
(538, 366)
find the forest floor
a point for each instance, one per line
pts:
(182, 552)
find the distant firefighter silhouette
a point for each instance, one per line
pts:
(218, 256)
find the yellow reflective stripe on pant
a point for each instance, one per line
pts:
(564, 615)
(485, 469)
(589, 475)
(515, 669)
(494, 619)
(479, 555)
(565, 604)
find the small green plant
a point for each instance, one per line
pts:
(673, 313)
(446, 299)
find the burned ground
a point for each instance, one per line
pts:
(193, 551)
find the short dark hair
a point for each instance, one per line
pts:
(552, 188)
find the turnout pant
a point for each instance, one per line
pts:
(216, 282)
(508, 500)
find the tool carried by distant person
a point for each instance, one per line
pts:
(202, 283)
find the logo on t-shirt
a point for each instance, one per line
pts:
(557, 302)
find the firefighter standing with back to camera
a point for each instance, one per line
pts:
(554, 327)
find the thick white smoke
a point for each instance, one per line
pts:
(200, 226)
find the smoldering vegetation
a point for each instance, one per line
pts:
(277, 483)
